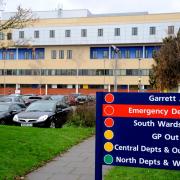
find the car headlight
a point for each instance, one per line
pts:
(42, 118)
(15, 118)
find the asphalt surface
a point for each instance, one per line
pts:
(76, 164)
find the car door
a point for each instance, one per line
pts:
(13, 110)
(61, 113)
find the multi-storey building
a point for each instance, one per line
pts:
(72, 50)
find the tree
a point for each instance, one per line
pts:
(21, 19)
(165, 72)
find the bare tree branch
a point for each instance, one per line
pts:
(21, 19)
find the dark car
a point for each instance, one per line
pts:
(7, 112)
(44, 113)
(82, 99)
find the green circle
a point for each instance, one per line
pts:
(108, 159)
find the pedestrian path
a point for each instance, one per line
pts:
(76, 164)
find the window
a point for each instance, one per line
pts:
(61, 54)
(36, 34)
(117, 32)
(40, 55)
(138, 54)
(52, 33)
(67, 33)
(152, 30)
(134, 31)
(26, 55)
(94, 54)
(127, 54)
(105, 54)
(170, 29)
(69, 54)
(83, 32)
(1, 36)
(53, 54)
(100, 32)
(4, 55)
(21, 34)
(9, 36)
(11, 55)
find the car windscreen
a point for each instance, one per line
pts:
(60, 98)
(4, 107)
(41, 107)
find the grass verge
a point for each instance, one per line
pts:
(23, 149)
(129, 173)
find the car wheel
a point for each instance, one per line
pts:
(52, 124)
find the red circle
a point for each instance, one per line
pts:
(109, 98)
(109, 122)
(109, 110)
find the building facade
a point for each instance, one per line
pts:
(71, 51)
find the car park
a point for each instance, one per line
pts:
(7, 112)
(44, 113)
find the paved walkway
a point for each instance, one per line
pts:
(76, 164)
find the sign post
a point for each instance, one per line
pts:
(137, 130)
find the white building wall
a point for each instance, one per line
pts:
(92, 38)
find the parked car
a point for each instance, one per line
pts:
(31, 99)
(7, 112)
(62, 98)
(82, 99)
(44, 113)
(13, 99)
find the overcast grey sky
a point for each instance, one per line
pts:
(98, 6)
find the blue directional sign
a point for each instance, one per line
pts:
(138, 130)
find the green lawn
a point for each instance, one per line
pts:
(24, 149)
(129, 173)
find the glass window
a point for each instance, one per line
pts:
(138, 54)
(134, 31)
(9, 36)
(26, 55)
(127, 54)
(36, 34)
(1, 36)
(117, 32)
(68, 33)
(4, 55)
(69, 54)
(11, 55)
(83, 32)
(152, 30)
(61, 54)
(94, 54)
(21, 34)
(105, 54)
(100, 32)
(52, 33)
(53, 54)
(170, 29)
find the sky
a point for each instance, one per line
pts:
(98, 6)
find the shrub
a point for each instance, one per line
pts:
(84, 116)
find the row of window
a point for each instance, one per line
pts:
(100, 32)
(73, 72)
(55, 55)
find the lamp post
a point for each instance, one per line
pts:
(116, 51)
(139, 74)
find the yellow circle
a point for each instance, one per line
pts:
(108, 147)
(108, 134)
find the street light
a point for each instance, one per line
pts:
(116, 51)
(139, 74)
